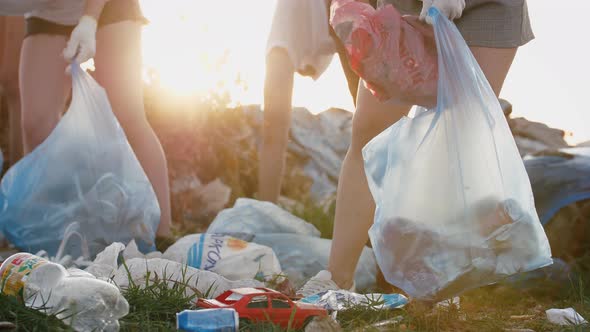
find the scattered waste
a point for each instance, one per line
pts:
(296, 243)
(251, 216)
(198, 200)
(342, 300)
(455, 302)
(223, 255)
(302, 257)
(481, 225)
(395, 56)
(76, 297)
(84, 172)
(197, 281)
(107, 262)
(386, 325)
(213, 320)
(261, 304)
(567, 316)
(558, 179)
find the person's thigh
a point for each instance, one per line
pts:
(44, 86)
(495, 63)
(372, 117)
(118, 70)
(11, 37)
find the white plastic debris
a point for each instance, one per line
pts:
(106, 262)
(132, 251)
(197, 281)
(253, 217)
(455, 301)
(302, 257)
(342, 300)
(567, 316)
(232, 258)
(80, 300)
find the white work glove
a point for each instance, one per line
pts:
(82, 44)
(452, 9)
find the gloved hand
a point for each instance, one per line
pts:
(452, 9)
(82, 43)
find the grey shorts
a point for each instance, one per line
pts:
(485, 23)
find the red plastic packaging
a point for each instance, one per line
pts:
(395, 55)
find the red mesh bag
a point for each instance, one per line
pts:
(395, 55)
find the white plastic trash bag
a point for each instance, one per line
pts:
(84, 172)
(232, 258)
(455, 208)
(254, 217)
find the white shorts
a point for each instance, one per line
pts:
(301, 28)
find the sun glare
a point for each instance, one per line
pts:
(196, 47)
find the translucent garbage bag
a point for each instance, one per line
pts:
(394, 55)
(85, 172)
(455, 208)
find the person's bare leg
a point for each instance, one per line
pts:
(278, 91)
(354, 204)
(11, 45)
(118, 70)
(495, 63)
(43, 87)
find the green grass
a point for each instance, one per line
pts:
(501, 307)
(321, 217)
(154, 308)
(28, 320)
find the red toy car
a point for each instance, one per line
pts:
(263, 304)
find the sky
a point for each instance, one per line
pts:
(207, 45)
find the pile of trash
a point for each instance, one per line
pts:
(270, 246)
(299, 249)
(216, 160)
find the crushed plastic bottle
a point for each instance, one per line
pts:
(80, 300)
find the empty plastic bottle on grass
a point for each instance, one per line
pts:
(213, 320)
(80, 300)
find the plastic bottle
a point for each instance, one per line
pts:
(80, 300)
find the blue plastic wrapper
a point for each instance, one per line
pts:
(343, 300)
(85, 172)
(559, 180)
(208, 320)
(455, 208)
